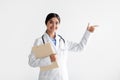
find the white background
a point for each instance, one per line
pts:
(22, 21)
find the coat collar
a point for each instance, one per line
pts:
(48, 39)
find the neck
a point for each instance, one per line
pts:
(51, 34)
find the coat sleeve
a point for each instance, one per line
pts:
(75, 47)
(38, 62)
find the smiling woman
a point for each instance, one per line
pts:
(52, 22)
(60, 46)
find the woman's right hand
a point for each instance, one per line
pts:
(53, 57)
(91, 28)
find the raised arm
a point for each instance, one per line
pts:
(72, 46)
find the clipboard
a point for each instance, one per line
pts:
(45, 50)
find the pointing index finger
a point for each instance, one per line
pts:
(95, 25)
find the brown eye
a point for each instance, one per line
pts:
(57, 23)
(50, 22)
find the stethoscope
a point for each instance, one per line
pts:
(59, 39)
(61, 47)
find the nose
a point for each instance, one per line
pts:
(54, 25)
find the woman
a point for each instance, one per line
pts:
(60, 46)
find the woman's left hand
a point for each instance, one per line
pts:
(91, 28)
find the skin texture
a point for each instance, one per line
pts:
(52, 27)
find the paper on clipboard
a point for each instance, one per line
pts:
(44, 51)
(49, 67)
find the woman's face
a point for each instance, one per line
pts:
(52, 25)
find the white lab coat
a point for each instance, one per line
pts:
(61, 49)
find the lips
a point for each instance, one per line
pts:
(53, 28)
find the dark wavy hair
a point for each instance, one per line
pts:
(51, 15)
